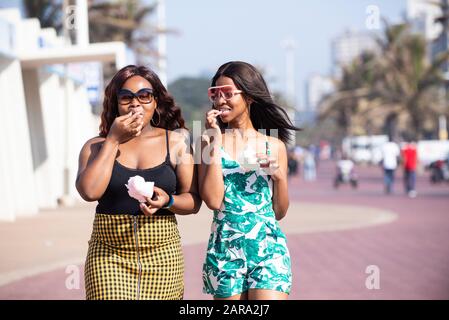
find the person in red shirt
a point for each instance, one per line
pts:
(410, 162)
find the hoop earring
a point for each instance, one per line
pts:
(158, 116)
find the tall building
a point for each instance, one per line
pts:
(317, 88)
(349, 45)
(422, 15)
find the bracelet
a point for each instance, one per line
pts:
(170, 202)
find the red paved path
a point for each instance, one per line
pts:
(412, 253)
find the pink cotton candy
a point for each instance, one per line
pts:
(138, 188)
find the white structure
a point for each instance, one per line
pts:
(161, 42)
(289, 46)
(422, 15)
(366, 149)
(317, 87)
(46, 115)
(350, 45)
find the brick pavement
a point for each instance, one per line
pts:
(410, 251)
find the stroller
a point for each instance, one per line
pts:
(345, 174)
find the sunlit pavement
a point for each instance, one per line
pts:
(335, 237)
(410, 254)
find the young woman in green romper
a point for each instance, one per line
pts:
(243, 177)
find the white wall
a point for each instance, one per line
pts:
(43, 116)
(17, 188)
(51, 131)
(82, 125)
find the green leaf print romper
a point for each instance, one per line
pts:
(246, 249)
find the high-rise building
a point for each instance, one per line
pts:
(422, 15)
(349, 45)
(317, 87)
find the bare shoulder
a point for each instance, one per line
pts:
(276, 144)
(178, 135)
(93, 144)
(179, 140)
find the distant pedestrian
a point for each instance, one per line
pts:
(309, 166)
(292, 163)
(410, 161)
(299, 156)
(390, 157)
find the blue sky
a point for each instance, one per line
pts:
(214, 32)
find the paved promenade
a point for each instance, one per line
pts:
(333, 236)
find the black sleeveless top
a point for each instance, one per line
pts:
(116, 199)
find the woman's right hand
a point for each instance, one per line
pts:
(213, 129)
(126, 127)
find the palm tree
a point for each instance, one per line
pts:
(398, 83)
(353, 87)
(49, 12)
(125, 21)
(408, 77)
(115, 20)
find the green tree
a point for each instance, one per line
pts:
(115, 20)
(190, 94)
(400, 82)
(345, 104)
(124, 20)
(48, 12)
(410, 82)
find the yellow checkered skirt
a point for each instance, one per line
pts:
(134, 257)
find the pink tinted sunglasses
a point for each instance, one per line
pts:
(226, 91)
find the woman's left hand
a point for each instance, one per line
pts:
(270, 166)
(160, 199)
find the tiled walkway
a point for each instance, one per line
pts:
(333, 236)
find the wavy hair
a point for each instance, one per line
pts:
(169, 112)
(264, 112)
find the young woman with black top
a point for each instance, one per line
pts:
(135, 249)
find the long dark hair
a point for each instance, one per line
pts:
(264, 113)
(169, 114)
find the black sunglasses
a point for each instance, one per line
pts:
(126, 96)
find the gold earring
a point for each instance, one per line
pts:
(158, 116)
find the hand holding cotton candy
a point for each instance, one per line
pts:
(140, 189)
(248, 159)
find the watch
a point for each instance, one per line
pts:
(170, 202)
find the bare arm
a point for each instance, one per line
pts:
(96, 161)
(210, 172)
(187, 199)
(97, 156)
(280, 186)
(210, 175)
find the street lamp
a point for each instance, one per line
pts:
(82, 39)
(161, 42)
(289, 46)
